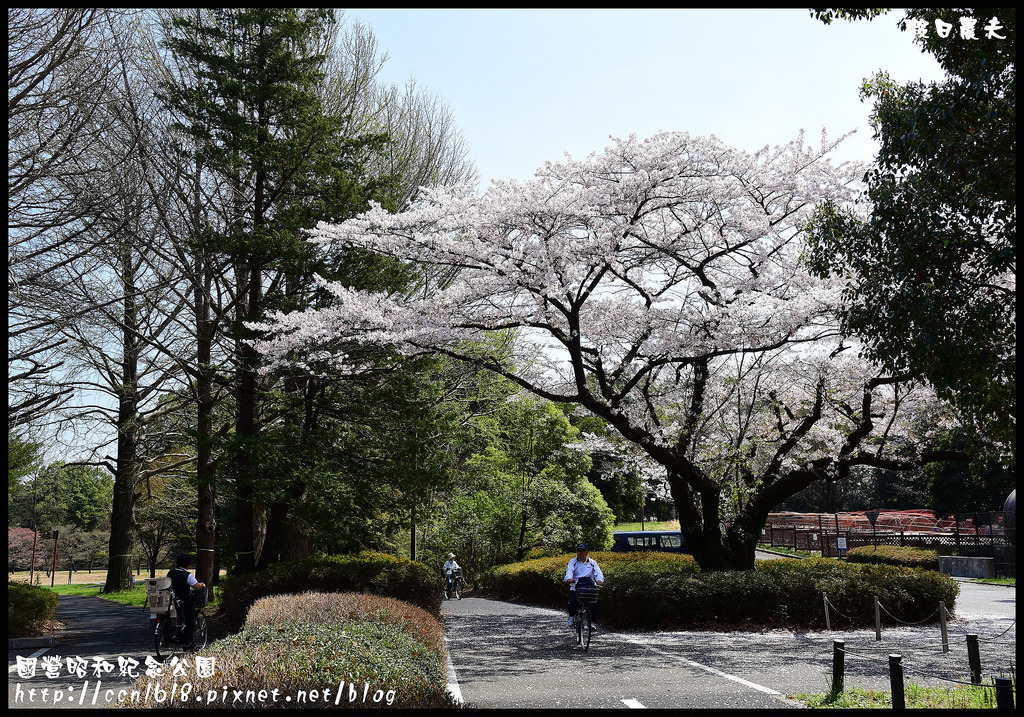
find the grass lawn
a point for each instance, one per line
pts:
(91, 584)
(649, 525)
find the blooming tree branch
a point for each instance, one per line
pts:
(661, 286)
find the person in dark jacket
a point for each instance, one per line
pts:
(182, 583)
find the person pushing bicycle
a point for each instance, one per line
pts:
(582, 571)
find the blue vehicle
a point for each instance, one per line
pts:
(667, 541)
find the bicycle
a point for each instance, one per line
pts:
(456, 585)
(583, 622)
(164, 619)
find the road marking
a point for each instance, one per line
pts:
(712, 670)
(633, 704)
(453, 681)
(37, 653)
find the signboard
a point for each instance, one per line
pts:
(842, 544)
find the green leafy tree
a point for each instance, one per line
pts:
(63, 495)
(931, 266)
(23, 457)
(524, 486)
(978, 486)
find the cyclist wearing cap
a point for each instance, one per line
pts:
(581, 570)
(449, 569)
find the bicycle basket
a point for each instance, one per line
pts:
(586, 594)
(201, 597)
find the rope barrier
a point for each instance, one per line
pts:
(921, 622)
(869, 657)
(970, 642)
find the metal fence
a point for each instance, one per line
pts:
(992, 534)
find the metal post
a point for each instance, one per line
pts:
(942, 624)
(1004, 693)
(53, 570)
(32, 567)
(878, 621)
(974, 659)
(896, 682)
(838, 665)
(828, 623)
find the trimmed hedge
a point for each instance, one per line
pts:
(374, 573)
(895, 555)
(28, 608)
(668, 591)
(320, 651)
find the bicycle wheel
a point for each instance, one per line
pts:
(201, 633)
(578, 624)
(586, 629)
(166, 644)
(456, 589)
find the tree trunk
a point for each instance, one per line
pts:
(206, 525)
(126, 478)
(245, 431)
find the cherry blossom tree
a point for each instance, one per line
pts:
(660, 285)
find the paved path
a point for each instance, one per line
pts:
(97, 631)
(518, 656)
(507, 656)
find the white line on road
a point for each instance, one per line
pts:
(633, 704)
(453, 681)
(712, 670)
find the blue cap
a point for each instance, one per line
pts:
(581, 546)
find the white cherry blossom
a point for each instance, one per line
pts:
(660, 286)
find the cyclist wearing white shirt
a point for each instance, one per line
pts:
(581, 570)
(449, 569)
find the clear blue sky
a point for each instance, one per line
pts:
(528, 85)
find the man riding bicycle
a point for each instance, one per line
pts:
(182, 583)
(581, 571)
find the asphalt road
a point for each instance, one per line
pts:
(516, 656)
(506, 656)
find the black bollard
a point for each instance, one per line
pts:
(838, 665)
(896, 682)
(1004, 693)
(974, 659)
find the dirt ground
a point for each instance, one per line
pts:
(82, 577)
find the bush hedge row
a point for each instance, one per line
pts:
(321, 651)
(373, 573)
(668, 591)
(28, 608)
(895, 555)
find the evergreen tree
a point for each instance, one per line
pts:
(258, 125)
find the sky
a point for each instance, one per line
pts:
(526, 86)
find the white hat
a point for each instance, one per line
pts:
(451, 555)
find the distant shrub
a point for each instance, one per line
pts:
(668, 591)
(895, 555)
(28, 608)
(318, 650)
(373, 573)
(541, 552)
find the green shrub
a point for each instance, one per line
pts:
(895, 555)
(374, 573)
(332, 643)
(28, 608)
(668, 591)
